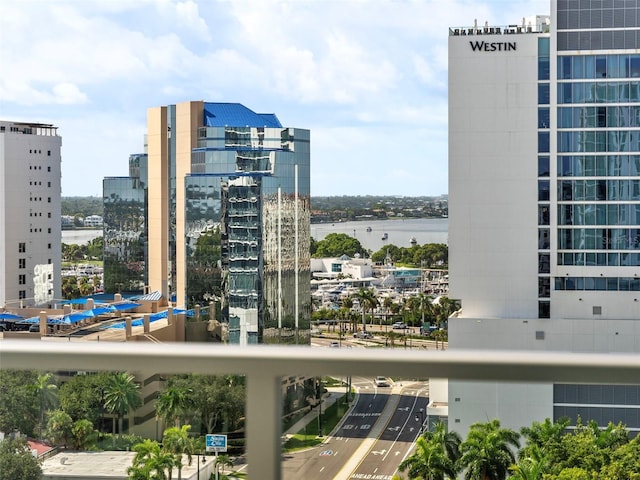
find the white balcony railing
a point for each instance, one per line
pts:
(264, 366)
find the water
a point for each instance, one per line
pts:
(400, 232)
(79, 237)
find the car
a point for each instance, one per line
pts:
(381, 381)
(334, 345)
(399, 326)
(362, 335)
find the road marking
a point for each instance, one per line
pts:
(378, 452)
(394, 429)
(403, 409)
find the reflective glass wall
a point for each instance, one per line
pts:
(259, 178)
(125, 229)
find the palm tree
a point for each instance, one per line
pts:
(47, 391)
(487, 453)
(150, 462)
(421, 303)
(174, 403)
(121, 395)
(223, 461)
(429, 462)
(368, 300)
(449, 441)
(527, 469)
(177, 441)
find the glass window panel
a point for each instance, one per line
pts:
(612, 116)
(601, 66)
(590, 239)
(590, 214)
(601, 214)
(544, 239)
(590, 259)
(578, 166)
(589, 66)
(543, 68)
(601, 166)
(578, 66)
(543, 117)
(564, 65)
(601, 259)
(564, 166)
(613, 66)
(543, 190)
(578, 214)
(564, 117)
(543, 166)
(634, 165)
(543, 94)
(566, 190)
(634, 65)
(590, 189)
(579, 190)
(543, 142)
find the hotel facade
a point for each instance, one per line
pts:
(544, 204)
(218, 209)
(30, 228)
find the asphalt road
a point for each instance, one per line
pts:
(326, 460)
(390, 444)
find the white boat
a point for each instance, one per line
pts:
(368, 229)
(413, 241)
(385, 236)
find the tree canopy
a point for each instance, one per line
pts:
(336, 245)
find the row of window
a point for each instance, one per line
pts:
(39, 183)
(595, 141)
(599, 259)
(596, 92)
(598, 165)
(40, 151)
(598, 66)
(594, 117)
(599, 214)
(615, 284)
(598, 239)
(601, 39)
(39, 199)
(596, 189)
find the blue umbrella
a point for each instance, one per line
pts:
(10, 316)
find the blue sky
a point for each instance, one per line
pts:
(367, 77)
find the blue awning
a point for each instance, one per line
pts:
(10, 316)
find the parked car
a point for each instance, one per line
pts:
(399, 326)
(334, 345)
(362, 335)
(381, 381)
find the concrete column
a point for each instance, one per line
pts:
(146, 321)
(66, 309)
(43, 323)
(212, 311)
(117, 297)
(180, 321)
(197, 312)
(90, 304)
(170, 317)
(127, 328)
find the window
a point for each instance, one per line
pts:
(22, 263)
(48, 169)
(22, 294)
(49, 199)
(49, 184)
(49, 214)
(49, 246)
(22, 279)
(48, 153)
(49, 230)
(22, 247)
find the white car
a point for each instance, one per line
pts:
(381, 381)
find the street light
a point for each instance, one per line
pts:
(204, 460)
(420, 417)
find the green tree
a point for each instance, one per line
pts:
(150, 462)
(17, 462)
(19, 403)
(429, 462)
(223, 461)
(84, 436)
(487, 453)
(448, 441)
(59, 428)
(82, 396)
(121, 395)
(368, 301)
(336, 245)
(528, 469)
(174, 403)
(47, 393)
(177, 441)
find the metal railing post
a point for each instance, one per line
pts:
(264, 425)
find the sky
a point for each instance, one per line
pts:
(368, 78)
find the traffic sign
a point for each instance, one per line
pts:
(216, 443)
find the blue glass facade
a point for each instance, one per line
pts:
(598, 141)
(125, 229)
(248, 228)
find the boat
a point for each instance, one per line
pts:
(413, 241)
(385, 236)
(368, 229)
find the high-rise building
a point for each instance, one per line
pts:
(544, 204)
(30, 228)
(226, 193)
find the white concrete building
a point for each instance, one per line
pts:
(93, 221)
(29, 214)
(544, 204)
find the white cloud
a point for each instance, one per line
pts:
(68, 93)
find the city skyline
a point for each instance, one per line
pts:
(366, 78)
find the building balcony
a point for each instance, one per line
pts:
(265, 366)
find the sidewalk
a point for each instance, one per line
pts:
(334, 394)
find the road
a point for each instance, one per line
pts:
(367, 440)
